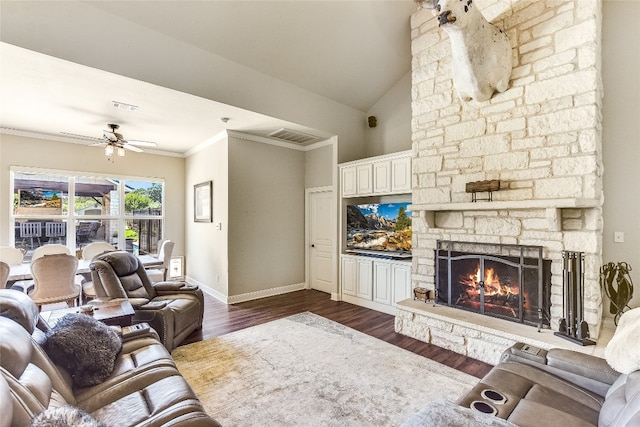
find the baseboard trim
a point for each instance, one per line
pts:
(266, 293)
(250, 296)
(208, 290)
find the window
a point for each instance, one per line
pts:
(75, 210)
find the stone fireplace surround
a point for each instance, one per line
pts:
(541, 138)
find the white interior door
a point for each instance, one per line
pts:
(321, 241)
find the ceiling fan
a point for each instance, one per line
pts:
(114, 142)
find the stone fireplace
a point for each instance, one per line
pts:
(510, 282)
(541, 139)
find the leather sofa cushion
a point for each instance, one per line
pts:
(16, 352)
(17, 306)
(529, 390)
(155, 404)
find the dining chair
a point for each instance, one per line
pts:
(50, 249)
(11, 255)
(156, 274)
(39, 252)
(88, 253)
(54, 278)
(5, 269)
(55, 231)
(30, 230)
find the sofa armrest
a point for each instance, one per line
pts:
(586, 371)
(172, 287)
(584, 365)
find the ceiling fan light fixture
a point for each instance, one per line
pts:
(108, 150)
(120, 151)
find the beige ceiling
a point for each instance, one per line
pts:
(351, 52)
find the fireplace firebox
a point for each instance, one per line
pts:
(511, 282)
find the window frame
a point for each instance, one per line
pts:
(71, 217)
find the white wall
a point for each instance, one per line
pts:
(318, 167)
(393, 113)
(40, 153)
(206, 247)
(266, 216)
(621, 133)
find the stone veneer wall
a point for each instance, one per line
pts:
(541, 138)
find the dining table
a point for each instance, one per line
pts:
(23, 271)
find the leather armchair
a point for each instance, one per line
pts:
(173, 309)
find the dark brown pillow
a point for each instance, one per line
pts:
(85, 347)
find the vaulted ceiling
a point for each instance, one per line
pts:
(62, 62)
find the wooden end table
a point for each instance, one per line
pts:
(117, 313)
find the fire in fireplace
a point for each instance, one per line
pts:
(506, 281)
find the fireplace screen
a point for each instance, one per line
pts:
(507, 281)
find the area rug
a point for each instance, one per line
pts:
(306, 370)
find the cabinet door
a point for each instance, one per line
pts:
(364, 181)
(401, 175)
(382, 177)
(364, 278)
(382, 282)
(349, 181)
(401, 276)
(349, 275)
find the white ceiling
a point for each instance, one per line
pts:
(351, 52)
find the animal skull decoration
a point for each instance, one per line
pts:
(480, 52)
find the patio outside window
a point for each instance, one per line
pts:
(75, 210)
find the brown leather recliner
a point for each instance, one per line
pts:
(173, 309)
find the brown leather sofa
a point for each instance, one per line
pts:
(535, 387)
(173, 309)
(144, 388)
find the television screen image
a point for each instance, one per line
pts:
(382, 229)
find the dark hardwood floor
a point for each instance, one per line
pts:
(220, 319)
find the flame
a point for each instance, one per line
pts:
(492, 284)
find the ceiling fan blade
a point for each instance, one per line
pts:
(111, 136)
(132, 148)
(142, 143)
(97, 144)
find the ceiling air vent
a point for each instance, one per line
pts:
(293, 136)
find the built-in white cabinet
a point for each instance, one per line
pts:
(349, 276)
(401, 281)
(349, 182)
(375, 283)
(376, 176)
(401, 175)
(382, 282)
(382, 177)
(364, 181)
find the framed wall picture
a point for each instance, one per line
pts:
(176, 268)
(203, 202)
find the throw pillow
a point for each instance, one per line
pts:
(65, 416)
(85, 347)
(623, 351)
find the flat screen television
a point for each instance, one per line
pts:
(381, 229)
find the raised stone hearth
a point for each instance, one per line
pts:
(477, 336)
